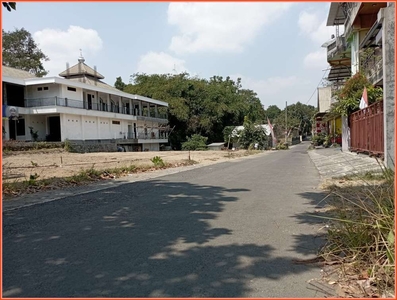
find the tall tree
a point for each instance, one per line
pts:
(21, 51)
(272, 112)
(119, 84)
(199, 106)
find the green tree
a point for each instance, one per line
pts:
(299, 116)
(195, 142)
(119, 84)
(272, 112)
(197, 105)
(10, 5)
(21, 51)
(350, 95)
(252, 134)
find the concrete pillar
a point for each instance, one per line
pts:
(130, 107)
(387, 17)
(82, 127)
(98, 128)
(140, 108)
(108, 101)
(120, 105)
(345, 134)
(156, 111)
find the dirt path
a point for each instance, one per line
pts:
(59, 163)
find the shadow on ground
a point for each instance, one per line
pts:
(155, 242)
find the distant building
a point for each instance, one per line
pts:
(78, 106)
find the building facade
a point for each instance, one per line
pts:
(79, 107)
(367, 45)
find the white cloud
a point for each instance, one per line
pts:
(314, 26)
(276, 90)
(63, 46)
(316, 60)
(160, 63)
(217, 27)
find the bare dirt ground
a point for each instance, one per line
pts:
(59, 163)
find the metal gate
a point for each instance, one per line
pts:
(366, 130)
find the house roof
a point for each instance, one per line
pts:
(81, 69)
(216, 144)
(239, 128)
(336, 15)
(90, 81)
(16, 73)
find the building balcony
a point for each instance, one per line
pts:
(338, 52)
(103, 107)
(372, 67)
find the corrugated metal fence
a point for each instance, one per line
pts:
(366, 130)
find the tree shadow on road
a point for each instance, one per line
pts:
(147, 239)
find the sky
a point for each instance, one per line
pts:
(274, 47)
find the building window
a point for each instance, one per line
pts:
(116, 122)
(39, 88)
(21, 127)
(45, 88)
(71, 89)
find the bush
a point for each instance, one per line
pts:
(361, 229)
(158, 162)
(195, 143)
(282, 146)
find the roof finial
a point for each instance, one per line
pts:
(81, 58)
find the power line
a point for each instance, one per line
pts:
(317, 87)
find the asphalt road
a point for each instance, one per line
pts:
(227, 230)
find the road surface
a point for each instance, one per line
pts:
(226, 230)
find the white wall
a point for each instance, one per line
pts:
(71, 127)
(90, 128)
(33, 93)
(324, 98)
(77, 95)
(39, 123)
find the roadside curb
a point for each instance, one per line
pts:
(53, 195)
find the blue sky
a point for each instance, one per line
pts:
(274, 47)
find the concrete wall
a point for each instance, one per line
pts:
(53, 91)
(39, 123)
(77, 95)
(388, 53)
(324, 98)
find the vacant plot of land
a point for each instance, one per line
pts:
(59, 163)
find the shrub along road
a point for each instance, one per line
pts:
(231, 229)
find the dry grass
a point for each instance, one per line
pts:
(361, 233)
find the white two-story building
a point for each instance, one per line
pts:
(79, 107)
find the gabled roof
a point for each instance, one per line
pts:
(16, 73)
(81, 69)
(93, 82)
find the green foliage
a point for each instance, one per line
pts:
(227, 133)
(195, 142)
(199, 106)
(299, 116)
(362, 227)
(10, 5)
(119, 84)
(158, 162)
(68, 146)
(272, 112)
(350, 95)
(21, 51)
(252, 134)
(282, 146)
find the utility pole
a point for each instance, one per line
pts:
(286, 123)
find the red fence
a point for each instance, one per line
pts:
(366, 130)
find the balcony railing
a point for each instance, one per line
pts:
(372, 65)
(337, 48)
(65, 102)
